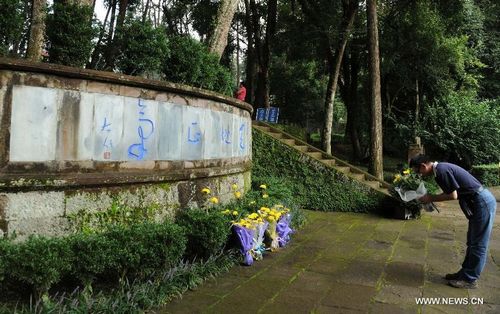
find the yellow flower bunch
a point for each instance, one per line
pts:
(205, 191)
(272, 214)
(407, 181)
(246, 222)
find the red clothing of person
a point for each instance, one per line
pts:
(241, 93)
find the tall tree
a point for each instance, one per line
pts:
(37, 30)
(251, 58)
(225, 15)
(376, 158)
(334, 54)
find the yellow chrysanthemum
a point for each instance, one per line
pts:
(226, 212)
(235, 213)
(397, 178)
(253, 216)
(271, 218)
(205, 191)
(214, 200)
(407, 171)
(265, 196)
(237, 194)
(234, 187)
(263, 186)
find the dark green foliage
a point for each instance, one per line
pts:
(40, 262)
(314, 186)
(462, 130)
(70, 32)
(4, 252)
(131, 296)
(143, 48)
(142, 248)
(207, 232)
(93, 254)
(299, 89)
(11, 23)
(489, 175)
(190, 63)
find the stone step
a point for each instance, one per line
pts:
(317, 155)
(276, 135)
(357, 176)
(302, 148)
(262, 128)
(343, 169)
(373, 184)
(328, 162)
(288, 141)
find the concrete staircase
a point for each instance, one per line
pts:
(349, 170)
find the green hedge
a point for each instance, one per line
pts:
(206, 232)
(315, 186)
(140, 249)
(489, 175)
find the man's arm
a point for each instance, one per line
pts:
(427, 198)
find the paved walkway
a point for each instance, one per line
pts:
(352, 263)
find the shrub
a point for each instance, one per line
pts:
(143, 48)
(4, 252)
(40, 262)
(489, 175)
(207, 232)
(190, 63)
(73, 45)
(462, 130)
(142, 248)
(93, 254)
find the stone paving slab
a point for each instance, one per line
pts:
(356, 263)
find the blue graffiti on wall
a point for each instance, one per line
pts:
(194, 136)
(242, 136)
(145, 130)
(226, 136)
(108, 143)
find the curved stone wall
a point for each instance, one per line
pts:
(69, 133)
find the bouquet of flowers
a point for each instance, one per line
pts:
(410, 186)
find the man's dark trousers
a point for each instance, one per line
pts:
(478, 235)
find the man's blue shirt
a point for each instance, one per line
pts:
(451, 177)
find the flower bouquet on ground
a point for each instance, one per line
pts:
(410, 187)
(245, 233)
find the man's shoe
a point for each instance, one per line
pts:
(463, 284)
(454, 276)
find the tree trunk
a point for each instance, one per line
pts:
(225, 14)
(251, 54)
(335, 63)
(376, 159)
(37, 31)
(96, 54)
(146, 10)
(263, 50)
(351, 102)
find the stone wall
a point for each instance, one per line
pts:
(73, 139)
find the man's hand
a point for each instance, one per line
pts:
(427, 198)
